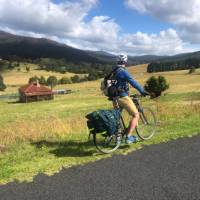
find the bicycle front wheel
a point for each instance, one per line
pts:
(146, 127)
(105, 143)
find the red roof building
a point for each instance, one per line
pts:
(35, 92)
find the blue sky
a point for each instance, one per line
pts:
(135, 27)
(129, 20)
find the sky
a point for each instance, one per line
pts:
(134, 27)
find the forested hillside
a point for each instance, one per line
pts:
(174, 65)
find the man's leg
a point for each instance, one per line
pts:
(129, 106)
(133, 123)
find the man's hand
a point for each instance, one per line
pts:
(145, 93)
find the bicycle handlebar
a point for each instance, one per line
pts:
(138, 95)
(135, 96)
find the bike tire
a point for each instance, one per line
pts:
(147, 123)
(106, 144)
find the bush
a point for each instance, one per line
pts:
(156, 86)
(2, 85)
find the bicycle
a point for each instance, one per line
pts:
(145, 129)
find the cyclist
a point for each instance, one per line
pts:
(123, 80)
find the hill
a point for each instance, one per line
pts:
(13, 46)
(32, 48)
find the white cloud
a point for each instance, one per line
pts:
(165, 43)
(65, 22)
(183, 14)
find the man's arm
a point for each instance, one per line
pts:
(133, 83)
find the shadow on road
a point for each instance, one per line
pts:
(67, 148)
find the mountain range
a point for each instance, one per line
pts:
(34, 48)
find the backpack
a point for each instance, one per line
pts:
(109, 84)
(103, 121)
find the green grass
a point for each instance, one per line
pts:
(44, 137)
(189, 96)
(52, 149)
(26, 160)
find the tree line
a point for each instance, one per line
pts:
(173, 65)
(52, 81)
(94, 71)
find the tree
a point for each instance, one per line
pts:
(75, 79)
(42, 80)
(2, 85)
(33, 79)
(192, 70)
(156, 86)
(10, 66)
(65, 80)
(52, 81)
(27, 69)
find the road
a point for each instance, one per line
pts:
(165, 171)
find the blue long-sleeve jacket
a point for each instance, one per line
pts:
(123, 79)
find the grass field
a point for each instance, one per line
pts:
(43, 137)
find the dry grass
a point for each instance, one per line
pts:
(45, 128)
(13, 79)
(50, 125)
(180, 81)
(167, 111)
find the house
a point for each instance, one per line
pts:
(35, 92)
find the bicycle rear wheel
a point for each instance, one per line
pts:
(146, 127)
(105, 143)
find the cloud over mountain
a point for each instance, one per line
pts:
(66, 22)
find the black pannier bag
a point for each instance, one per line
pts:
(103, 121)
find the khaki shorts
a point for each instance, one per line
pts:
(128, 105)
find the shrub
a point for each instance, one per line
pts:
(156, 86)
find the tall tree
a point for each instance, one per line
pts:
(2, 85)
(52, 81)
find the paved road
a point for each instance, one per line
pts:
(164, 171)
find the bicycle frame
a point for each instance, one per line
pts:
(116, 139)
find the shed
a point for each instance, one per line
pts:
(35, 92)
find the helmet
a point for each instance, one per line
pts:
(122, 59)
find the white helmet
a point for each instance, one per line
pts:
(122, 59)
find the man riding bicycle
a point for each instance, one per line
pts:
(123, 79)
